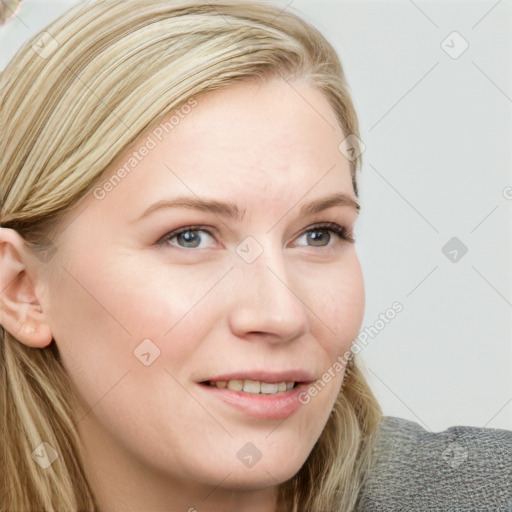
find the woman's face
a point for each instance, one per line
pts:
(161, 313)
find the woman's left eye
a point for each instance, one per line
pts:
(319, 236)
(322, 233)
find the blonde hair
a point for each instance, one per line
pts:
(111, 70)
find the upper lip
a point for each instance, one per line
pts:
(265, 376)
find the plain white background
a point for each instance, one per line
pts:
(436, 121)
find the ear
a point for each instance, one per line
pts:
(21, 313)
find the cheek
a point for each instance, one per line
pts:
(102, 310)
(340, 303)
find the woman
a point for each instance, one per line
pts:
(180, 286)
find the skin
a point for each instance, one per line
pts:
(155, 440)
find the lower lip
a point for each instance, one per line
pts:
(268, 407)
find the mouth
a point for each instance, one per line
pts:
(253, 387)
(263, 395)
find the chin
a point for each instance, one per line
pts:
(267, 472)
(259, 479)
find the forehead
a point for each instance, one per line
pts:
(251, 120)
(268, 141)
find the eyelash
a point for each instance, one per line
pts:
(342, 232)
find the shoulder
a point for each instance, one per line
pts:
(461, 468)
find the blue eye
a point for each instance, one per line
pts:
(188, 236)
(322, 233)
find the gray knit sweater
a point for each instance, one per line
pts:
(462, 469)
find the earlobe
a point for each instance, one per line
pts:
(20, 311)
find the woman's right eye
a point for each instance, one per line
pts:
(186, 238)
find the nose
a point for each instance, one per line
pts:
(265, 304)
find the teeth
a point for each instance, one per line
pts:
(269, 389)
(236, 385)
(254, 387)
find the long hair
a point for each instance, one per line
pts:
(71, 102)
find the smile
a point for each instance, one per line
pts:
(254, 386)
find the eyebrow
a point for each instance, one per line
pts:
(232, 211)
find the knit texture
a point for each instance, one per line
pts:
(462, 469)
